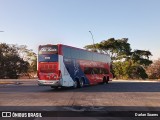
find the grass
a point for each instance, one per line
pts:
(6, 82)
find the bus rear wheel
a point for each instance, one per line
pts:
(104, 80)
(107, 80)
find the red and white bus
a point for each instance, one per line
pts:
(66, 66)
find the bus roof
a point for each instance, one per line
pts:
(74, 48)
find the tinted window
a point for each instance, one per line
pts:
(105, 71)
(87, 70)
(96, 70)
(66, 52)
(48, 58)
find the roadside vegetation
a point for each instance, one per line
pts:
(127, 63)
(153, 70)
(16, 61)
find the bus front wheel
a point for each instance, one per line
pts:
(107, 80)
(75, 85)
(81, 83)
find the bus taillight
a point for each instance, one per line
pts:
(59, 74)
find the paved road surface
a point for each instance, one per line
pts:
(116, 96)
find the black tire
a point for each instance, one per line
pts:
(81, 83)
(104, 80)
(107, 81)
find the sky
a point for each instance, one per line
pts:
(38, 22)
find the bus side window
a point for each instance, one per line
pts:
(87, 70)
(96, 70)
(100, 71)
(105, 71)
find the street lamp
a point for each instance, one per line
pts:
(93, 41)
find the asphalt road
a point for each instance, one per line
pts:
(115, 96)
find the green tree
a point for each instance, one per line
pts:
(141, 57)
(137, 72)
(117, 49)
(11, 65)
(140, 61)
(29, 56)
(126, 64)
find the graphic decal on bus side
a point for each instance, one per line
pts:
(74, 69)
(92, 71)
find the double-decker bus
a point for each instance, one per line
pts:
(66, 66)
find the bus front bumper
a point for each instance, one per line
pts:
(49, 82)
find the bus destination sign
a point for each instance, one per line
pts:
(48, 49)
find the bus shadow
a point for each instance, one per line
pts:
(111, 87)
(114, 87)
